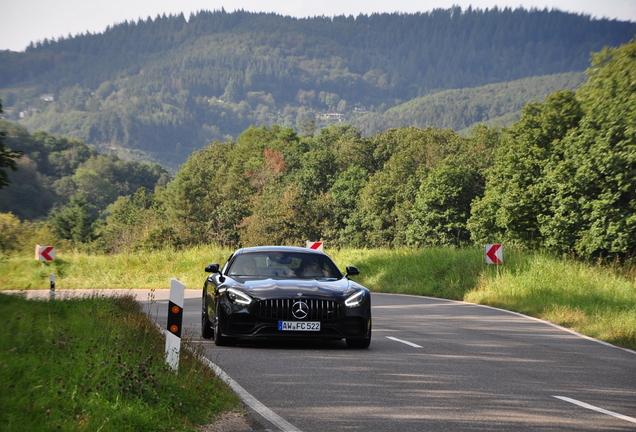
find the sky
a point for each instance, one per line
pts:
(25, 21)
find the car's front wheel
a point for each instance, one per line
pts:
(219, 339)
(207, 331)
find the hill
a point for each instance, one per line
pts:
(168, 85)
(496, 104)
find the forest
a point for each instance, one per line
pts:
(562, 177)
(157, 89)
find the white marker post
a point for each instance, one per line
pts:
(175, 320)
(52, 279)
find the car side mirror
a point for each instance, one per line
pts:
(212, 268)
(352, 271)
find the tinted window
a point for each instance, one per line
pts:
(282, 264)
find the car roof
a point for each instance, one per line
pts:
(279, 249)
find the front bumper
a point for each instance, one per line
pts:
(260, 320)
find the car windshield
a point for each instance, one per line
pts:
(283, 264)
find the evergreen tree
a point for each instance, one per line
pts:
(73, 221)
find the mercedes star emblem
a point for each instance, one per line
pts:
(300, 310)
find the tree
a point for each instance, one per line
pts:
(593, 204)
(516, 197)
(8, 158)
(9, 232)
(442, 206)
(73, 221)
(386, 199)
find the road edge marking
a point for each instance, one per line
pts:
(514, 313)
(597, 409)
(245, 396)
(250, 400)
(404, 342)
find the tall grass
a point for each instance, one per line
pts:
(437, 272)
(76, 270)
(96, 364)
(591, 299)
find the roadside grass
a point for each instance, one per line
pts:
(437, 272)
(96, 364)
(593, 300)
(599, 301)
(139, 270)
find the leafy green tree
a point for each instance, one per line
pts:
(593, 203)
(284, 217)
(8, 158)
(136, 222)
(343, 227)
(516, 197)
(442, 206)
(97, 190)
(30, 196)
(386, 200)
(73, 221)
(9, 232)
(209, 196)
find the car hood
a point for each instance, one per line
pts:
(284, 288)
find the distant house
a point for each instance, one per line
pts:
(27, 112)
(333, 116)
(358, 109)
(48, 97)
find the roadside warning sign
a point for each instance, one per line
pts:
(314, 245)
(494, 254)
(44, 253)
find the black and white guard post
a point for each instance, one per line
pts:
(52, 279)
(175, 320)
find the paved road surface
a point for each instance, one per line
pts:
(433, 365)
(436, 365)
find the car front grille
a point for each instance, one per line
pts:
(281, 309)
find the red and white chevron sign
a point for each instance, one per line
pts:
(494, 254)
(44, 253)
(314, 245)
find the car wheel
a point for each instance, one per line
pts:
(207, 332)
(219, 339)
(358, 343)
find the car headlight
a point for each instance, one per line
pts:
(238, 297)
(355, 299)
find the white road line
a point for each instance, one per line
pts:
(404, 342)
(251, 401)
(517, 314)
(593, 408)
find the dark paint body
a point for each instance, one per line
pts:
(276, 298)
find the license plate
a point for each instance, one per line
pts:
(299, 325)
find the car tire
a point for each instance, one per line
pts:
(207, 332)
(219, 339)
(358, 343)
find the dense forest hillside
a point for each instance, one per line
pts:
(562, 177)
(54, 171)
(168, 85)
(493, 104)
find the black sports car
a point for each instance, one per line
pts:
(284, 292)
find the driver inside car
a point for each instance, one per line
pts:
(249, 267)
(313, 269)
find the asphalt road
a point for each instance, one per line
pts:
(434, 365)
